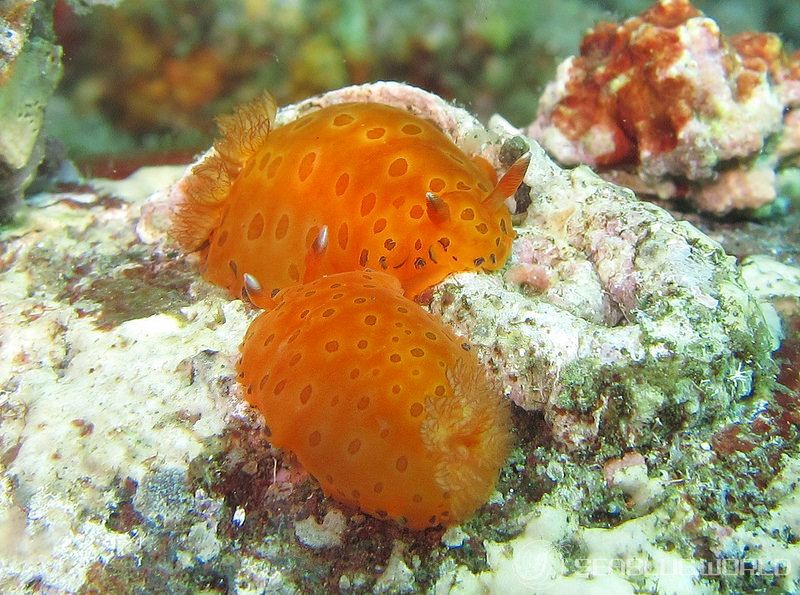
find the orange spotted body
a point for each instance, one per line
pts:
(348, 187)
(385, 406)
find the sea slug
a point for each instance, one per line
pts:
(385, 406)
(346, 187)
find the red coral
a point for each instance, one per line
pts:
(628, 97)
(643, 113)
(670, 14)
(761, 52)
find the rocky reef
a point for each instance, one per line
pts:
(653, 451)
(666, 104)
(621, 324)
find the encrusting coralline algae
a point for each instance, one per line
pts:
(668, 105)
(642, 327)
(629, 340)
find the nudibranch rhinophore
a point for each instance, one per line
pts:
(384, 405)
(347, 187)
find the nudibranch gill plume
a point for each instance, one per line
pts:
(352, 186)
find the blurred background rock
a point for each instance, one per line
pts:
(143, 79)
(30, 68)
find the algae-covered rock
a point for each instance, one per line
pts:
(615, 320)
(666, 356)
(30, 67)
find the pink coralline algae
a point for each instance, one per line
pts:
(667, 105)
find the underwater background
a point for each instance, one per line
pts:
(152, 74)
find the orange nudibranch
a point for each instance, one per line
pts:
(383, 404)
(347, 187)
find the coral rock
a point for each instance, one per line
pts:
(666, 97)
(644, 329)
